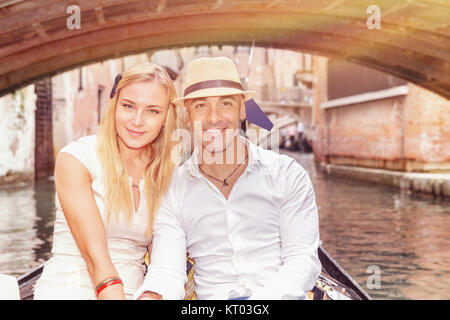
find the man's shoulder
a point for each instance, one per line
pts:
(180, 178)
(182, 171)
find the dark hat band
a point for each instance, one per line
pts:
(213, 84)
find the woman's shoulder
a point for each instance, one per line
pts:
(85, 142)
(84, 149)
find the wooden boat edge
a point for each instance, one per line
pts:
(332, 273)
(331, 267)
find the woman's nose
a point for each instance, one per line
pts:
(138, 118)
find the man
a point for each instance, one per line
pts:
(247, 216)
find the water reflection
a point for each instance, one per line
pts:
(361, 225)
(26, 226)
(406, 236)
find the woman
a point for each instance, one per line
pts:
(103, 226)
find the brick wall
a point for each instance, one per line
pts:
(44, 163)
(404, 133)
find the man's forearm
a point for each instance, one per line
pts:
(293, 281)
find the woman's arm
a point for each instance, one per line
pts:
(73, 186)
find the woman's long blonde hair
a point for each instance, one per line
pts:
(157, 175)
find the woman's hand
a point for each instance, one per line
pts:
(74, 191)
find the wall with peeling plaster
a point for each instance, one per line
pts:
(17, 114)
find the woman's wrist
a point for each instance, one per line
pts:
(112, 293)
(109, 284)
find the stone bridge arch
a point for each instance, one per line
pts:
(412, 43)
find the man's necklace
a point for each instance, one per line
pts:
(224, 181)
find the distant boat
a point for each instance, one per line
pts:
(333, 283)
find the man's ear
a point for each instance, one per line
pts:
(242, 114)
(187, 118)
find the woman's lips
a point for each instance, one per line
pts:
(135, 133)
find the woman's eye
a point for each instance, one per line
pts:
(153, 111)
(127, 106)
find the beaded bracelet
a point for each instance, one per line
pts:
(106, 283)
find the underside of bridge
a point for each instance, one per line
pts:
(40, 38)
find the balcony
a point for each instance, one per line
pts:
(284, 97)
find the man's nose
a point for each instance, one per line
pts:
(213, 115)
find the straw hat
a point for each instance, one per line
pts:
(212, 77)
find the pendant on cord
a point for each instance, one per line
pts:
(225, 182)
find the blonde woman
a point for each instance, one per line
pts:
(108, 190)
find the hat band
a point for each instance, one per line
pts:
(212, 84)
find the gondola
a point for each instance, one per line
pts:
(333, 283)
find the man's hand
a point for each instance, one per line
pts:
(149, 251)
(150, 295)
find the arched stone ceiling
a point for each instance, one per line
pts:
(413, 42)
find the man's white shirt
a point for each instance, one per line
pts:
(263, 238)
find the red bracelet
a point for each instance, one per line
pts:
(107, 284)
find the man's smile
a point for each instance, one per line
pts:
(213, 132)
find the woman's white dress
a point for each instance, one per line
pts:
(65, 275)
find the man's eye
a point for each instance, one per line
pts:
(227, 103)
(200, 105)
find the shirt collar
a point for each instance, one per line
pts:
(254, 158)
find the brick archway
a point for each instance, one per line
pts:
(413, 42)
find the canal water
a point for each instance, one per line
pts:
(374, 232)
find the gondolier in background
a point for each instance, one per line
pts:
(246, 215)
